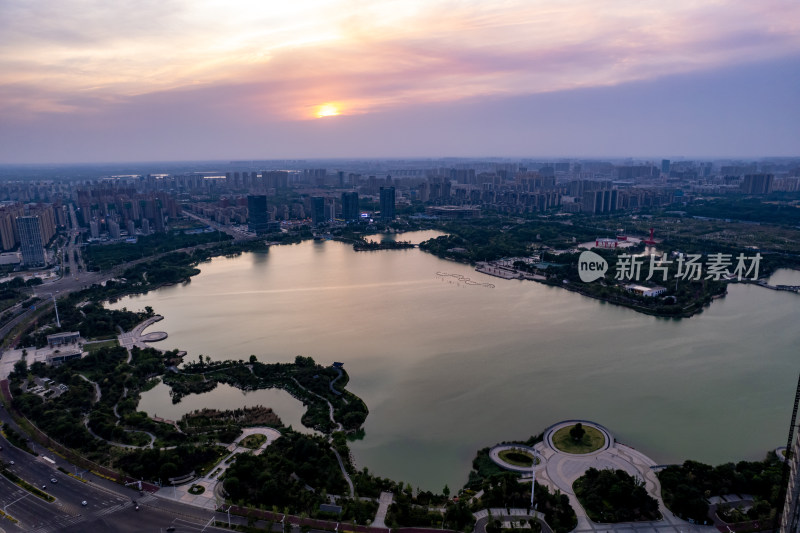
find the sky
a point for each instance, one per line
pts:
(146, 80)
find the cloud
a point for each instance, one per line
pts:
(283, 60)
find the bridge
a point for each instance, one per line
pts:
(788, 288)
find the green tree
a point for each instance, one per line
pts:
(577, 432)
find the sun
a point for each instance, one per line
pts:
(328, 110)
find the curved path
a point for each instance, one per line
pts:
(339, 427)
(494, 455)
(333, 390)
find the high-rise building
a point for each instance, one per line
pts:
(757, 184)
(790, 519)
(257, 216)
(30, 241)
(350, 206)
(113, 229)
(387, 203)
(665, 166)
(790, 516)
(317, 210)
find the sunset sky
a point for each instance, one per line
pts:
(92, 80)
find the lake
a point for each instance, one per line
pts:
(447, 367)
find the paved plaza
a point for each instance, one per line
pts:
(558, 470)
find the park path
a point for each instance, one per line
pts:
(339, 427)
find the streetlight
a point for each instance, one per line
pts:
(533, 477)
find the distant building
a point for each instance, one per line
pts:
(757, 184)
(605, 243)
(350, 209)
(645, 291)
(665, 166)
(257, 216)
(30, 239)
(317, 210)
(387, 203)
(113, 229)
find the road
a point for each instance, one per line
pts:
(109, 506)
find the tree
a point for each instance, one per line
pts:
(446, 491)
(253, 359)
(577, 432)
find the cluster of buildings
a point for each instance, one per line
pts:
(262, 194)
(119, 209)
(30, 227)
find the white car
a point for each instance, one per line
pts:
(84, 503)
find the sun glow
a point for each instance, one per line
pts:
(328, 110)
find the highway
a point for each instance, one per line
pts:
(110, 507)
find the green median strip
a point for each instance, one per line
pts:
(15, 479)
(8, 517)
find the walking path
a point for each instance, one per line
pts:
(383, 507)
(338, 428)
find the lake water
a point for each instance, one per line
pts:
(448, 367)
(157, 402)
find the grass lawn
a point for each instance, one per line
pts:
(593, 440)
(517, 457)
(253, 441)
(93, 347)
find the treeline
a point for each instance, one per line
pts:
(105, 256)
(615, 496)
(491, 238)
(92, 320)
(296, 471)
(686, 488)
(303, 379)
(155, 464)
(784, 213)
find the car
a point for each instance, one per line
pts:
(53, 480)
(11, 462)
(84, 503)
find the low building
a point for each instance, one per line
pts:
(61, 339)
(58, 357)
(641, 290)
(605, 243)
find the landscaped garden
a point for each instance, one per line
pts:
(518, 457)
(578, 439)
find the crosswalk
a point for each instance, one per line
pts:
(57, 524)
(73, 515)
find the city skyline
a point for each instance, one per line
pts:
(178, 81)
